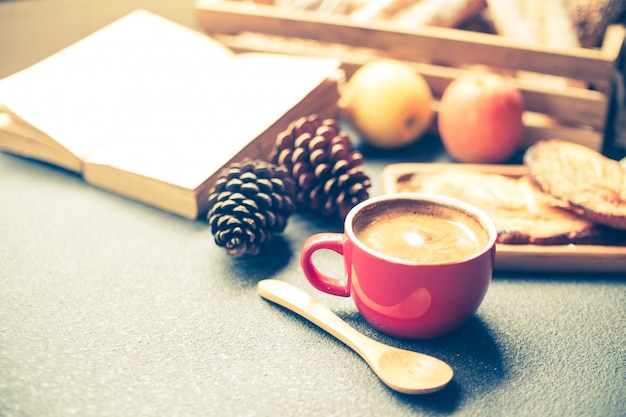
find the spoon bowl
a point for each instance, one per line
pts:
(401, 370)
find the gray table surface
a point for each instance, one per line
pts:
(109, 307)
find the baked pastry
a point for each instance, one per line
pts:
(592, 17)
(580, 179)
(521, 212)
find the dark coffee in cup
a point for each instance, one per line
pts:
(420, 231)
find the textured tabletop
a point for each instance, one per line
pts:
(112, 308)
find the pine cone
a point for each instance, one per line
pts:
(328, 173)
(250, 202)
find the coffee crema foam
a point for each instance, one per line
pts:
(421, 232)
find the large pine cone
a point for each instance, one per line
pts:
(328, 172)
(250, 202)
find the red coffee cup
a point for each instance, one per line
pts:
(417, 266)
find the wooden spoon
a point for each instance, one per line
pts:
(402, 370)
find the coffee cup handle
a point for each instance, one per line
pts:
(319, 280)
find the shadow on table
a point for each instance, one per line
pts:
(472, 352)
(279, 256)
(274, 257)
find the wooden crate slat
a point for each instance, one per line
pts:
(536, 132)
(572, 105)
(576, 106)
(452, 46)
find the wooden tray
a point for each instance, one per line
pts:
(558, 258)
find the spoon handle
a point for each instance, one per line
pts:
(402, 370)
(308, 307)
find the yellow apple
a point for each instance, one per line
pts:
(388, 103)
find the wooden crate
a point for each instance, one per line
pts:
(588, 109)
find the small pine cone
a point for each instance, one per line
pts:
(328, 173)
(250, 202)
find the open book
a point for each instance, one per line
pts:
(153, 110)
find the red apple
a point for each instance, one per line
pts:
(480, 118)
